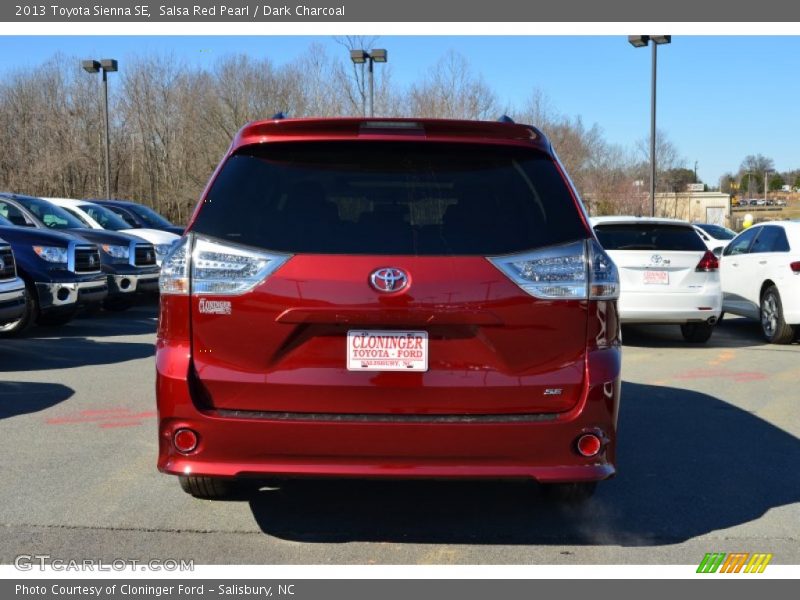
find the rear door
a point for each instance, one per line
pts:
(736, 273)
(654, 258)
(344, 218)
(768, 260)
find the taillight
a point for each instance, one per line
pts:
(224, 269)
(709, 262)
(795, 266)
(576, 271)
(174, 277)
(204, 266)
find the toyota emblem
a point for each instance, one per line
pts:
(389, 279)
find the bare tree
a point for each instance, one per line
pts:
(451, 90)
(171, 123)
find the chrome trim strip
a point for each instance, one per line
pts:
(382, 418)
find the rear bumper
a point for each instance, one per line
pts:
(539, 447)
(12, 300)
(670, 308)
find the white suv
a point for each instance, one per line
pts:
(761, 278)
(667, 275)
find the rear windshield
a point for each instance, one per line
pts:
(643, 236)
(718, 231)
(390, 198)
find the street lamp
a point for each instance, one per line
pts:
(359, 57)
(766, 172)
(640, 41)
(107, 65)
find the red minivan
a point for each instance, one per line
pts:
(388, 298)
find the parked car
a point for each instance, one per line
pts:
(667, 275)
(95, 216)
(714, 236)
(392, 298)
(780, 202)
(128, 261)
(12, 288)
(761, 278)
(139, 216)
(61, 274)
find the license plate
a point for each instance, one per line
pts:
(387, 350)
(657, 277)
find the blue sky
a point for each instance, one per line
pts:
(719, 97)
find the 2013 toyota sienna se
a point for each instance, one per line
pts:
(388, 298)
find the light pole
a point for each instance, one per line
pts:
(359, 57)
(640, 41)
(766, 172)
(107, 65)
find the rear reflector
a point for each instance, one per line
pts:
(795, 266)
(185, 440)
(709, 262)
(589, 445)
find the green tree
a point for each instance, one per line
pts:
(726, 183)
(776, 182)
(678, 178)
(750, 185)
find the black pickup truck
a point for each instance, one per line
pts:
(128, 261)
(12, 288)
(61, 273)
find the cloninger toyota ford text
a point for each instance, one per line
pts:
(389, 298)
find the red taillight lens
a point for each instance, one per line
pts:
(709, 262)
(589, 445)
(185, 440)
(795, 266)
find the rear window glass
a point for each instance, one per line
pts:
(390, 198)
(770, 239)
(643, 236)
(718, 231)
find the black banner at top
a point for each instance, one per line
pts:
(400, 11)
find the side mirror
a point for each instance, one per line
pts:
(717, 251)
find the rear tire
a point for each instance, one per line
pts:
(28, 317)
(697, 333)
(208, 488)
(569, 493)
(774, 328)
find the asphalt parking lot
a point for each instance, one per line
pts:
(708, 462)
